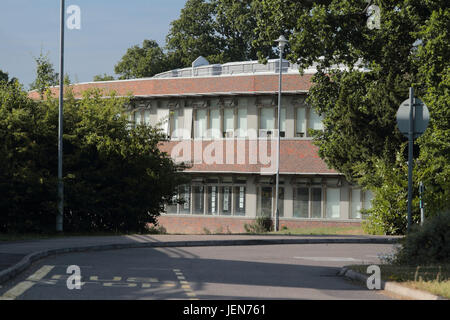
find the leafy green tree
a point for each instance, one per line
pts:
(103, 77)
(141, 62)
(4, 76)
(359, 100)
(116, 178)
(45, 74)
(193, 34)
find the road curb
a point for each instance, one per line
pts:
(26, 261)
(392, 287)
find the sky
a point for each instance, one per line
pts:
(108, 29)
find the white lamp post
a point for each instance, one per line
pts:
(281, 44)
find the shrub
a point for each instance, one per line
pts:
(427, 244)
(261, 225)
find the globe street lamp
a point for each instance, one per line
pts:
(281, 45)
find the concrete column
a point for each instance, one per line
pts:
(345, 200)
(288, 199)
(250, 205)
(290, 116)
(252, 115)
(187, 123)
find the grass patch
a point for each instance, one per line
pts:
(351, 230)
(434, 278)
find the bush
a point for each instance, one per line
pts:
(116, 179)
(261, 225)
(427, 244)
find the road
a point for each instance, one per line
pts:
(306, 271)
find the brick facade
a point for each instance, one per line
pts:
(204, 225)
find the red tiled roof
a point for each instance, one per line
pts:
(196, 86)
(248, 156)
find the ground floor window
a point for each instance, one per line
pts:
(359, 200)
(307, 202)
(266, 201)
(333, 202)
(211, 199)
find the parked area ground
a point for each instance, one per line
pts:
(292, 271)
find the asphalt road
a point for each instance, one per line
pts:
(307, 271)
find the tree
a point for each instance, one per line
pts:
(219, 30)
(141, 62)
(103, 77)
(193, 34)
(360, 137)
(4, 76)
(45, 74)
(116, 178)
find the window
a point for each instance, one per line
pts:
(242, 123)
(316, 202)
(147, 117)
(212, 200)
(315, 121)
(228, 123)
(137, 118)
(333, 203)
(300, 130)
(200, 123)
(225, 202)
(174, 123)
(356, 204)
(301, 202)
(281, 202)
(267, 120)
(214, 123)
(198, 200)
(172, 208)
(163, 120)
(185, 196)
(368, 197)
(239, 206)
(264, 208)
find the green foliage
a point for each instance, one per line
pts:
(141, 62)
(219, 30)
(360, 138)
(45, 74)
(262, 224)
(103, 77)
(427, 244)
(116, 179)
(4, 76)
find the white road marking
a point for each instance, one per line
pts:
(23, 286)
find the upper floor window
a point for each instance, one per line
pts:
(300, 122)
(315, 121)
(214, 123)
(200, 123)
(228, 123)
(242, 123)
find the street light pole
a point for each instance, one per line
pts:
(59, 216)
(281, 44)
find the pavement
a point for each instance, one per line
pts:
(17, 256)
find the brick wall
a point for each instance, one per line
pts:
(202, 225)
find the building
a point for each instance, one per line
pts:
(223, 120)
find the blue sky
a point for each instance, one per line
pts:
(108, 29)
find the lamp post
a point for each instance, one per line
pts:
(281, 44)
(59, 215)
